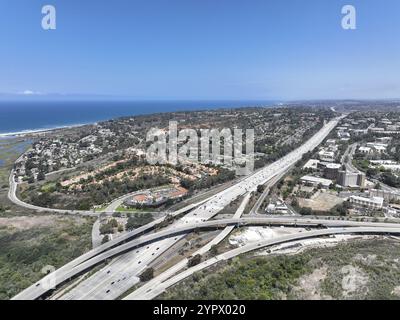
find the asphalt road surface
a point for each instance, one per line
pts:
(199, 215)
(159, 287)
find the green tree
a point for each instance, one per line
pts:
(41, 176)
(260, 188)
(138, 220)
(106, 228)
(113, 223)
(194, 260)
(147, 275)
(214, 250)
(305, 211)
(105, 239)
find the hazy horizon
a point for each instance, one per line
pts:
(201, 50)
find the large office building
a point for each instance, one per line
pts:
(351, 179)
(331, 170)
(344, 178)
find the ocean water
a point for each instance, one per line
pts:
(10, 145)
(17, 117)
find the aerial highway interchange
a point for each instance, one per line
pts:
(134, 251)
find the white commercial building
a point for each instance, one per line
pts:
(315, 181)
(365, 150)
(373, 203)
(377, 147)
(311, 164)
(328, 156)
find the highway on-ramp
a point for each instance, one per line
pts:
(36, 290)
(63, 274)
(160, 287)
(202, 213)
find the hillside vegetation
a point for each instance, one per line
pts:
(364, 269)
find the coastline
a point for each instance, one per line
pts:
(24, 133)
(32, 117)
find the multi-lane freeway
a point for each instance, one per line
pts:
(142, 244)
(35, 291)
(148, 292)
(118, 277)
(157, 243)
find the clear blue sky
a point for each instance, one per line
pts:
(202, 49)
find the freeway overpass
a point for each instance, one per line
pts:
(146, 293)
(82, 264)
(120, 273)
(35, 291)
(211, 207)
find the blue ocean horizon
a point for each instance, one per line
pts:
(27, 116)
